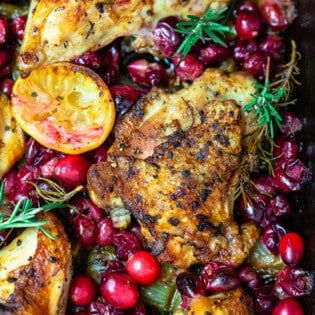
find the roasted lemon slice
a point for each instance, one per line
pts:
(64, 107)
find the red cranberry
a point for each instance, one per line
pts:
(89, 59)
(279, 206)
(165, 38)
(291, 248)
(4, 28)
(5, 72)
(247, 25)
(145, 73)
(85, 206)
(71, 170)
(290, 124)
(6, 86)
(243, 49)
(286, 148)
(106, 231)
(110, 73)
(82, 290)
(99, 154)
(255, 64)
(25, 175)
(139, 309)
(271, 236)
(249, 277)
(219, 277)
(189, 284)
(124, 96)
(4, 57)
(288, 306)
(264, 185)
(86, 231)
(273, 15)
(249, 6)
(114, 265)
(296, 282)
(18, 26)
(291, 176)
(213, 53)
(120, 290)
(189, 68)
(264, 299)
(110, 54)
(126, 244)
(273, 46)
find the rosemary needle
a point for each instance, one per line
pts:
(24, 214)
(207, 27)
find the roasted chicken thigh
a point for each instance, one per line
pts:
(63, 29)
(174, 164)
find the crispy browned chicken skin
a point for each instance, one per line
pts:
(174, 166)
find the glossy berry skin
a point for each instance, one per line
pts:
(291, 248)
(82, 290)
(120, 290)
(189, 68)
(143, 267)
(71, 170)
(18, 26)
(288, 306)
(247, 25)
(126, 244)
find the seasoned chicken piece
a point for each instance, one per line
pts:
(235, 302)
(174, 163)
(62, 29)
(12, 138)
(35, 271)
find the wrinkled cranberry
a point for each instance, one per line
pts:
(254, 208)
(295, 281)
(264, 299)
(291, 176)
(110, 73)
(189, 68)
(145, 73)
(189, 284)
(290, 124)
(213, 53)
(89, 59)
(247, 24)
(286, 148)
(124, 96)
(85, 206)
(99, 154)
(139, 309)
(165, 38)
(279, 205)
(219, 277)
(4, 29)
(249, 277)
(86, 231)
(271, 236)
(101, 307)
(243, 49)
(106, 231)
(126, 244)
(25, 175)
(264, 185)
(273, 46)
(115, 265)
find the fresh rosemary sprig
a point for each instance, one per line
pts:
(262, 106)
(207, 27)
(24, 214)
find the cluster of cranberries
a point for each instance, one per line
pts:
(11, 31)
(257, 42)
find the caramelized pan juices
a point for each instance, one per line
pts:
(158, 166)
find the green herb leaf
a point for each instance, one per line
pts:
(205, 28)
(24, 214)
(262, 106)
